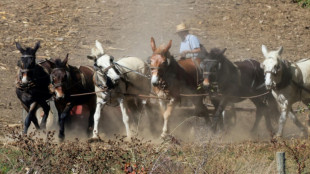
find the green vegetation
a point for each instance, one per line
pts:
(303, 3)
(44, 155)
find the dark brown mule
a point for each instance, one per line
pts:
(32, 85)
(68, 80)
(238, 81)
(170, 78)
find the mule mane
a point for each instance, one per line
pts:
(58, 63)
(216, 53)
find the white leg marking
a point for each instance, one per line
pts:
(283, 103)
(125, 117)
(97, 115)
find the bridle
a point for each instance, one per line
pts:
(104, 72)
(59, 84)
(27, 69)
(207, 61)
(30, 83)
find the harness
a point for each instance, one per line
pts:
(69, 72)
(123, 76)
(287, 75)
(31, 83)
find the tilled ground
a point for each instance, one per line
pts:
(125, 28)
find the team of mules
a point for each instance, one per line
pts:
(130, 82)
(238, 81)
(118, 83)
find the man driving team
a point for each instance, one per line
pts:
(190, 47)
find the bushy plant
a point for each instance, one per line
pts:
(303, 3)
(31, 154)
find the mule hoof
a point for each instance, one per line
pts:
(163, 135)
(278, 135)
(61, 137)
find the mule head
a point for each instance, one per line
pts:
(213, 64)
(60, 77)
(272, 66)
(159, 60)
(27, 62)
(104, 65)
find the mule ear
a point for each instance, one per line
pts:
(223, 51)
(280, 50)
(19, 47)
(65, 61)
(168, 46)
(99, 47)
(153, 45)
(37, 46)
(264, 50)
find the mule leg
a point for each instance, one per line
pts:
(46, 110)
(258, 117)
(308, 120)
(218, 119)
(62, 119)
(162, 106)
(166, 116)
(90, 122)
(201, 110)
(123, 107)
(282, 121)
(31, 117)
(298, 124)
(284, 105)
(99, 106)
(268, 123)
(152, 117)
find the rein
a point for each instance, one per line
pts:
(131, 70)
(162, 98)
(68, 80)
(116, 66)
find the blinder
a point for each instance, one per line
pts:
(212, 62)
(274, 71)
(20, 64)
(212, 67)
(110, 83)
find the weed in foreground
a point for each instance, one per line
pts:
(31, 154)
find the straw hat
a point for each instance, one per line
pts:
(181, 27)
